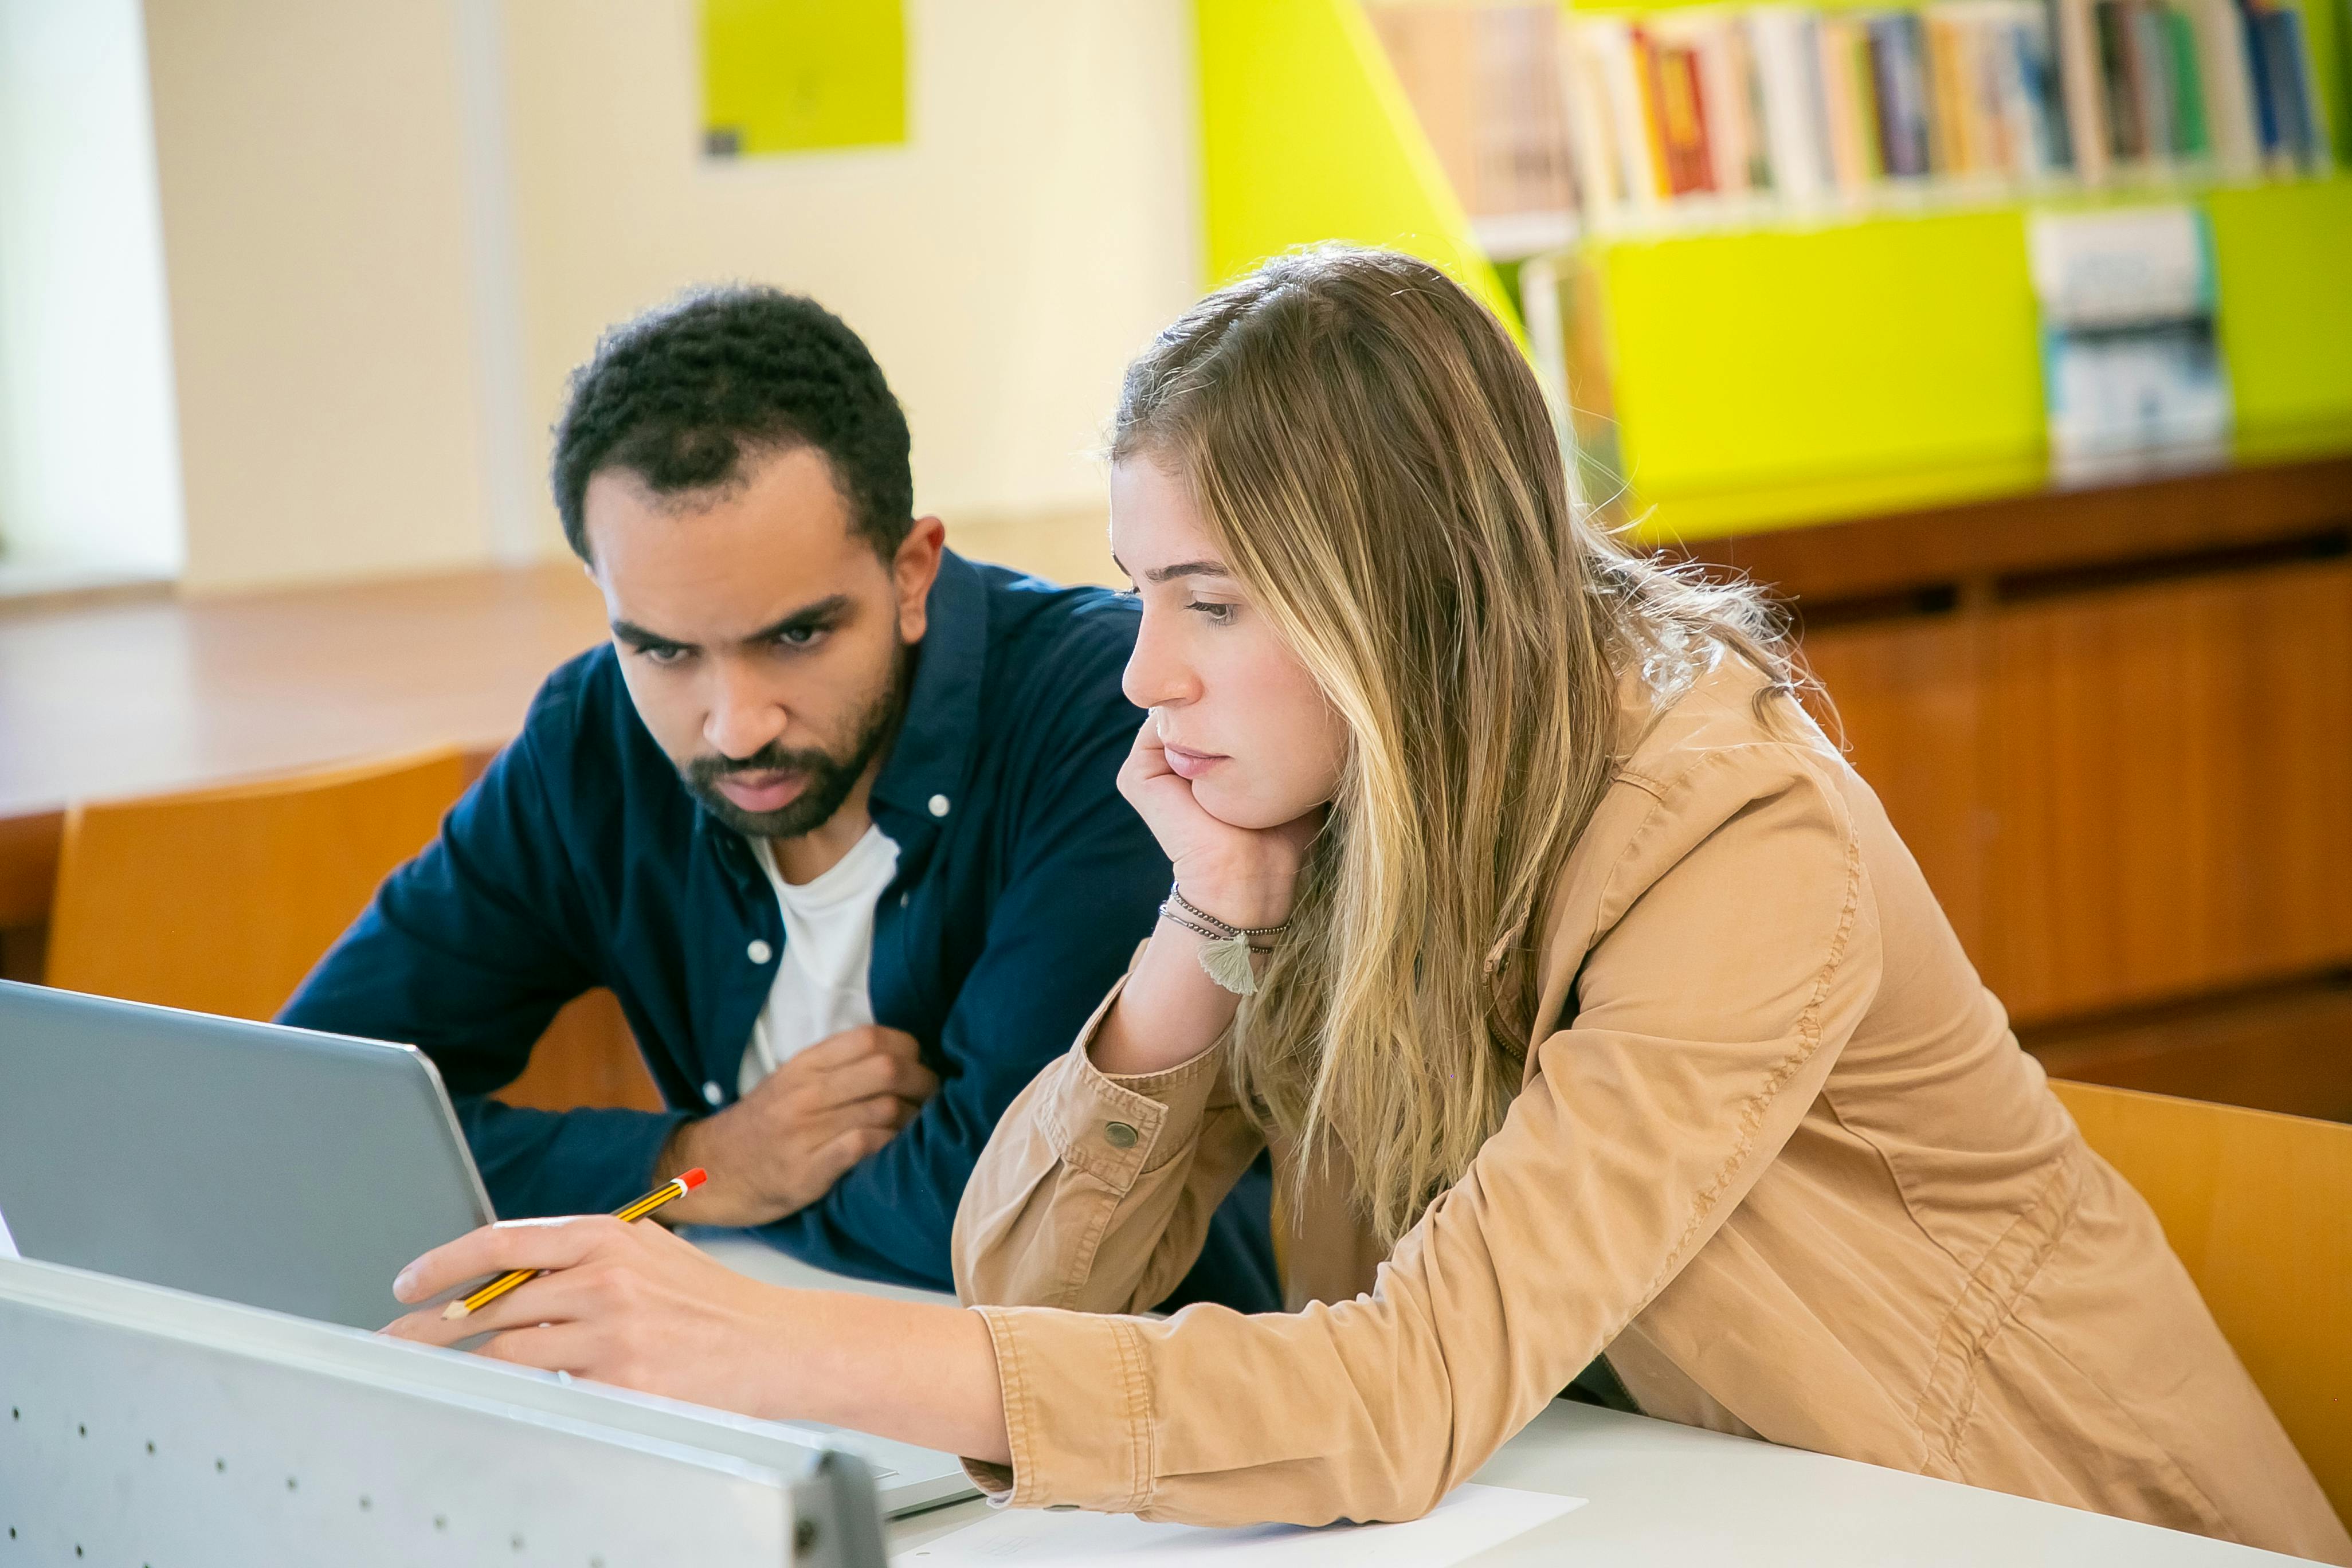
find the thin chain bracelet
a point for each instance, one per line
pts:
(1225, 956)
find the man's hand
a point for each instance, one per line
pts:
(783, 1146)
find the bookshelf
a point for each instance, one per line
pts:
(1891, 361)
(1740, 366)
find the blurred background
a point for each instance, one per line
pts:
(2010, 342)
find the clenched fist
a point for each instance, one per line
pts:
(783, 1146)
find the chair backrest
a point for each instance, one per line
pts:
(222, 900)
(2258, 1206)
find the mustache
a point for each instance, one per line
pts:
(769, 758)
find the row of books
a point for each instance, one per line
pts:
(1534, 110)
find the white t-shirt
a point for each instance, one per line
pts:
(820, 985)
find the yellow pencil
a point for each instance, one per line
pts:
(678, 1188)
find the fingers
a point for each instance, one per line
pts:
(511, 1244)
(838, 1050)
(834, 1159)
(856, 1045)
(878, 1074)
(1147, 761)
(575, 1348)
(854, 1065)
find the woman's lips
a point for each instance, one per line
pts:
(763, 792)
(1189, 764)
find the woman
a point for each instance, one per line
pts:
(1521, 908)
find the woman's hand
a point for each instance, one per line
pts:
(1170, 1010)
(637, 1306)
(632, 1305)
(1243, 876)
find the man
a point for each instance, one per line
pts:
(834, 815)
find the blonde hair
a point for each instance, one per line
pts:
(1374, 457)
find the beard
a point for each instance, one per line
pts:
(830, 777)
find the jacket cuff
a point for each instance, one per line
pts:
(1077, 1410)
(1119, 1126)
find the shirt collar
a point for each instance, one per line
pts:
(931, 758)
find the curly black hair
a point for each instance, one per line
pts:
(677, 395)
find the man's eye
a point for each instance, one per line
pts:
(660, 655)
(799, 637)
(1219, 614)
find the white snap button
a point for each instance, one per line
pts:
(938, 806)
(759, 952)
(713, 1093)
(902, 899)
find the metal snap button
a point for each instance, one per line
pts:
(1119, 1135)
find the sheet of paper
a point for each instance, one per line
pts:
(1467, 1522)
(7, 1242)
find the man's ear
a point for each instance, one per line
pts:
(913, 570)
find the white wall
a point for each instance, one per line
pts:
(1040, 225)
(392, 229)
(89, 479)
(312, 164)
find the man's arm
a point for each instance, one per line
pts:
(467, 952)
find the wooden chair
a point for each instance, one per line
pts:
(2259, 1208)
(222, 900)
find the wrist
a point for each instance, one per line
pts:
(1245, 899)
(682, 1151)
(677, 1155)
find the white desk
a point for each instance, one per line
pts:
(1660, 1493)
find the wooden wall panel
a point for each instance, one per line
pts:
(2285, 1047)
(2171, 782)
(1908, 699)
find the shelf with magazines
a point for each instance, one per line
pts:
(1676, 115)
(1781, 261)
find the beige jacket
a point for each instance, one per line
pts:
(1777, 1152)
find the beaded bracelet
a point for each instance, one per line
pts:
(1225, 956)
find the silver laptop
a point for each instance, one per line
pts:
(257, 1164)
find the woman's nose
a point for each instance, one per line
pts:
(1156, 676)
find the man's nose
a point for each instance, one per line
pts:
(743, 715)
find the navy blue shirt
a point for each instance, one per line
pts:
(580, 859)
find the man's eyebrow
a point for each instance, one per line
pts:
(807, 616)
(811, 615)
(630, 632)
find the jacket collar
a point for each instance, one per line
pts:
(931, 758)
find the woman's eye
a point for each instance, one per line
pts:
(1219, 614)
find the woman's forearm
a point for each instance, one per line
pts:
(912, 1371)
(1168, 1012)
